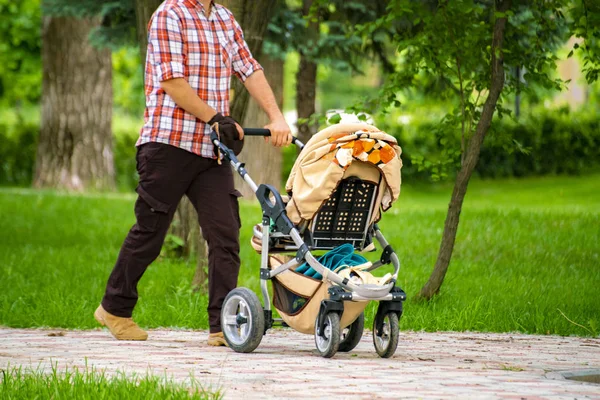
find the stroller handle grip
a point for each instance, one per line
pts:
(256, 132)
(267, 132)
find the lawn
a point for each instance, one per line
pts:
(527, 259)
(25, 383)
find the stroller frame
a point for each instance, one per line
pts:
(247, 308)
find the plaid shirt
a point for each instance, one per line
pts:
(205, 50)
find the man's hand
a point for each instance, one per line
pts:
(281, 134)
(231, 133)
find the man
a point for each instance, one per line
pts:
(194, 46)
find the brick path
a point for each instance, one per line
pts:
(285, 365)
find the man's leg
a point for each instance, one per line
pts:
(165, 173)
(213, 195)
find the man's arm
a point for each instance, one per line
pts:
(185, 97)
(249, 71)
(260, 90)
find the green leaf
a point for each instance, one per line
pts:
(335, 118)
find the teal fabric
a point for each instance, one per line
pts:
(340, 256)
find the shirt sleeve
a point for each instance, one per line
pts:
(166, 45)
(243, 64)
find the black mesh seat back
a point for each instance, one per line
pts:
(345, 216)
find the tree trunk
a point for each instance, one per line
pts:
(143, 11)
(75, 146)
(436, 279)
(253, 17)
(306, 85)
(263, 161)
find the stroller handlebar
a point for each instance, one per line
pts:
(256, 132)
(266, 132)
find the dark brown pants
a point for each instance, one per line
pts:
(166, 174)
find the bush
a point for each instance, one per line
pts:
(124, 152)
(18, 147)
(550, 142)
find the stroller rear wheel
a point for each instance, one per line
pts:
(329, 342)
(385, 339)
(352, 334)
(242, 320)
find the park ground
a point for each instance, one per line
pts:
(285, 365)
(527, 260)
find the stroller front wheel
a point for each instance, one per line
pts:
(242, 320)
(385, 338)
(329, 342)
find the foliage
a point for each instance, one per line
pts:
(117, 17)
(21, 66)
(330, 43)
(19, 134)
(544, 142)
(71, 383)
(547, 142)
(540, 241)
(444, 52)
(554, 142)
(18, 145)
(585, 17)
(124, 153)
(128, 81)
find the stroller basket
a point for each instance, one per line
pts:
(344, 217)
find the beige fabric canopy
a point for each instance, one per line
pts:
(338, 152)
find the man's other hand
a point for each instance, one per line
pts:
(281, 135)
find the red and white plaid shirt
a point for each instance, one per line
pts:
(183, 42)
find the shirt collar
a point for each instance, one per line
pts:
(200, 6)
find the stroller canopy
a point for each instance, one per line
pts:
(338, 152)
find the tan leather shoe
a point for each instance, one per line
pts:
(121, 328)
(217, 339)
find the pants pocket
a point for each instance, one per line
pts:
(147, 152)
(149, 210)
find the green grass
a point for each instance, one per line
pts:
(19, 383)
(527, 258)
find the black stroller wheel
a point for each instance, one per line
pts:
(242, 320)
(329, 342)
(352, 334)
(385, 339)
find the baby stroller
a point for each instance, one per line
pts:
(343, 178)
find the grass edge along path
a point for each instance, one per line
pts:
(91, 383)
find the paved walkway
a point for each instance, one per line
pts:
(285, 365)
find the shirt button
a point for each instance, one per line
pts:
(152, 209)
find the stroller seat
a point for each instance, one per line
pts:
(343, 218)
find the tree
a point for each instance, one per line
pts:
(470, 154)
(143, 11)
(75, 145)
(320, 32)
(263, 161)
(464, 48)
(306, 77)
